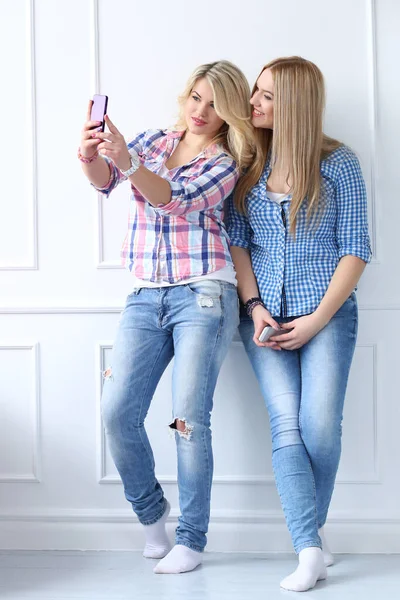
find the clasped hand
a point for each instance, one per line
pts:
(302, 330)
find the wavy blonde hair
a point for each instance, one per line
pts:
(231, 102)
(297, 144)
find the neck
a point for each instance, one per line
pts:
(197, 143)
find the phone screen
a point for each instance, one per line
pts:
(99, 109)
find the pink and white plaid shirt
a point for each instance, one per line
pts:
(188, 235)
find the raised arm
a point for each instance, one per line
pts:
(171, 197)
(94, 167)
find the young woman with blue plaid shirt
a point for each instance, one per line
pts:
(300, 243)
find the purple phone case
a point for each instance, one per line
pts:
(99, 109)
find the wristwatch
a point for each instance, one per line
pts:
(135, 164)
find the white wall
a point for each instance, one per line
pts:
(61, 287)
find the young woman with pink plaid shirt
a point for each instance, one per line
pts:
(184, 302)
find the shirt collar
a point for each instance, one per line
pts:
(177, 134)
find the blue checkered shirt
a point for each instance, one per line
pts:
(293, 274)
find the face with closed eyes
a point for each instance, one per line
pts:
(262, 101)
(200, 115)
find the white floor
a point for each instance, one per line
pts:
(126, 575)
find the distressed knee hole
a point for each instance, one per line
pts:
(107, 374)
(183, 428)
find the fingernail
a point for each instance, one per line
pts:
(93, 135)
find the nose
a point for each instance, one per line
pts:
(202, 112)
(255, 100)
(203, 109)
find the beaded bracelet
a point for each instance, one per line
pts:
(251, 304)
(86, 160)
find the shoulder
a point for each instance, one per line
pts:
(218, 159)
(155, 136)
(339, 160)
(221, 158)
(144, 138)
(341, 166)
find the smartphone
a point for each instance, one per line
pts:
(99, 109)
(269, 332)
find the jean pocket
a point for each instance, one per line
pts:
(351, 301)
(208, 287)
(349, 308)
(135, 292)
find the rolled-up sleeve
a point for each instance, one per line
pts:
(116, 176)
(238, 226)
(206, 191)
(352, 220)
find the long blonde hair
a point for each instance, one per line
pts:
(231, 101)
(297, 143)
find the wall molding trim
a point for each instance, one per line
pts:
(32, 265)
(246, 480)
(217, 516)
(115, 309)
(33, 477)
(373, 121)
(95, 69)
(230, 531)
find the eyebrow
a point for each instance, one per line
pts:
(194, 92)
(267, 91)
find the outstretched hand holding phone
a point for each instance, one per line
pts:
(88, 147)
(113, 145)
(96, 143)
(97, 171)
(99, 110)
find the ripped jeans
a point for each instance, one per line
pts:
(195, 324)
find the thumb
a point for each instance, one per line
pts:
(258, 327)
(288, 325)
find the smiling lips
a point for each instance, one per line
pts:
(257, 113)
(198, 122)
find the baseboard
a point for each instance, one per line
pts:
(232, 531)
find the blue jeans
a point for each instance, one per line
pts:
(195, 323)
(304, 391)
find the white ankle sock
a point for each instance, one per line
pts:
(157, 542)
(181, 559)
(310, 570)
(329, 559)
